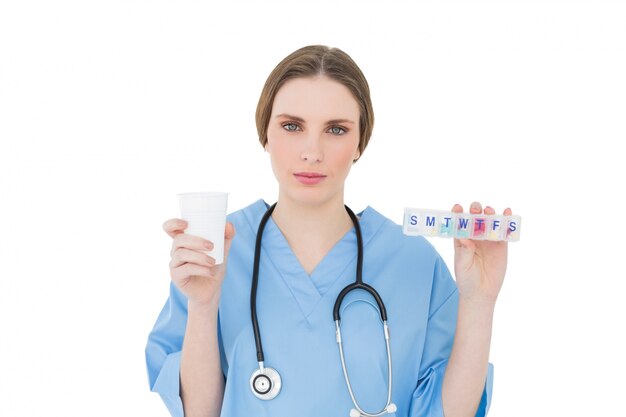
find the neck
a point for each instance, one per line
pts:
(311, 229)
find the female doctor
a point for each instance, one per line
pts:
(315, 118)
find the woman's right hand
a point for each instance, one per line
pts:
(194, 272)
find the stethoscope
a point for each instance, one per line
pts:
(266, 382)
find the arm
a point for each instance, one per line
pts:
(183, 354)
(183, 357)
(201, 377)
(479, 267)
(428, 398)
(466, 372)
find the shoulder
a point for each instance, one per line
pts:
(246, 220)
(385, 233)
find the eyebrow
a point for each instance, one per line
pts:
(301, 120)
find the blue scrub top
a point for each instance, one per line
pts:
(295, 312)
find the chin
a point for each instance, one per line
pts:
(310, 196)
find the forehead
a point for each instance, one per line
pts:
(316, 98)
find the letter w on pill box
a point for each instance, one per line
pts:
(425, 222)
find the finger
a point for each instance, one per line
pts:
(182, 256)
(508, 211)
(476, 208)
(191, 270)
(174, 227)
(489, 210)
(184, 240)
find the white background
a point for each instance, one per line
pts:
(110, 108)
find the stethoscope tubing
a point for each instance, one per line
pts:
(255, 283)
(347, 378)
(358, 284)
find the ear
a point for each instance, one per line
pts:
(356, 156)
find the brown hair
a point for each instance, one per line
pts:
(311, 61)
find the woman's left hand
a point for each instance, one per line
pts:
(479, 265)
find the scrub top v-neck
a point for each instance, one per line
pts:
(308, 289)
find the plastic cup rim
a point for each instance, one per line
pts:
(203, 194)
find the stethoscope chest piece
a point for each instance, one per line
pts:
(265, 383)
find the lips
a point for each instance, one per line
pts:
(309, 178)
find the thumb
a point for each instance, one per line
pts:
(463, 254)
(229, 234)
(464, 244)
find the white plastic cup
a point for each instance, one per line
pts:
(205, 214)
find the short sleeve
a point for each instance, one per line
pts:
(163, 351)
(426, 400)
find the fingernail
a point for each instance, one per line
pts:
(208, 245)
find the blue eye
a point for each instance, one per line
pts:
(336, 130)
(291, 127)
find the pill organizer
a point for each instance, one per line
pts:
(424, 222)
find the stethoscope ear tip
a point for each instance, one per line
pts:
(391, 408)
(354, 413)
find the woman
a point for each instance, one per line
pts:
(315, 119)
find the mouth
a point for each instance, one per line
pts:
(309, 178)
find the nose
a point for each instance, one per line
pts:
(312, 149)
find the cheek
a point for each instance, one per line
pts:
(345, 155)
(278, 149)
(278, 157)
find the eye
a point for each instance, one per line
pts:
(337, 130)
(291, 127)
